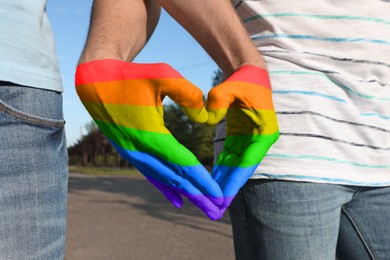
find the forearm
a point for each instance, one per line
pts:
(119, 29)
(216, 26)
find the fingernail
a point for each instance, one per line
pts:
(177, 204)
(213, 215)
(216, 200)
(222, 212)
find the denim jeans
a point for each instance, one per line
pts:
(33, 174)
(282, 220)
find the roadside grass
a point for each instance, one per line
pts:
(107, 171)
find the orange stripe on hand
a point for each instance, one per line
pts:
(240, 94)
(140, 92)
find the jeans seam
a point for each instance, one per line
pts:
(360, 234)
(357, 192)
(31, 119)
(239, 3)
(248, 237)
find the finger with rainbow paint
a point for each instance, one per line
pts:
(245, 98)
(125, 100)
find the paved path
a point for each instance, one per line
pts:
(125, 218)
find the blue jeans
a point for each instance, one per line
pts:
(33, 174)
(281, 220)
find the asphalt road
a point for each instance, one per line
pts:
(126, 218)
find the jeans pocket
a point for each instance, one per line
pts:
(31, 105)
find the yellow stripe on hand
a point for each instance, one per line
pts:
(251, 121)
(129, 116)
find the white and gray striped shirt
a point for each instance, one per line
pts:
(329, 63)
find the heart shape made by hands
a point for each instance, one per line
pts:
(125, 100)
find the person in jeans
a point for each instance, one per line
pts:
(324, 188)
(33, 155)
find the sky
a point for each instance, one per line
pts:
(170, 43)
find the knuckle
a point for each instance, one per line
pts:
(197, 94)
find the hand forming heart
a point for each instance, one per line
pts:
(252, 128)
(125, 100)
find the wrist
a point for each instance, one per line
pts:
(99, 49)
(239, 57)
(252, 74)
(91, 55)
(227, 72)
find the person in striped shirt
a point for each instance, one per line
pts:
(323, 188)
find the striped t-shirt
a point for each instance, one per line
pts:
(329, 63)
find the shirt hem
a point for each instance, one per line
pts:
(32, 80)
(316, 179)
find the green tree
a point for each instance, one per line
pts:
(217, 78)
(198, 138)
(94, 149)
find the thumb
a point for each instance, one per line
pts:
(218, 102)
(187, 95)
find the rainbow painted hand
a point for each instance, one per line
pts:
(245, 98)
(125, 100)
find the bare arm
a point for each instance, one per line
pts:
(120, 29)
(216, 26)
